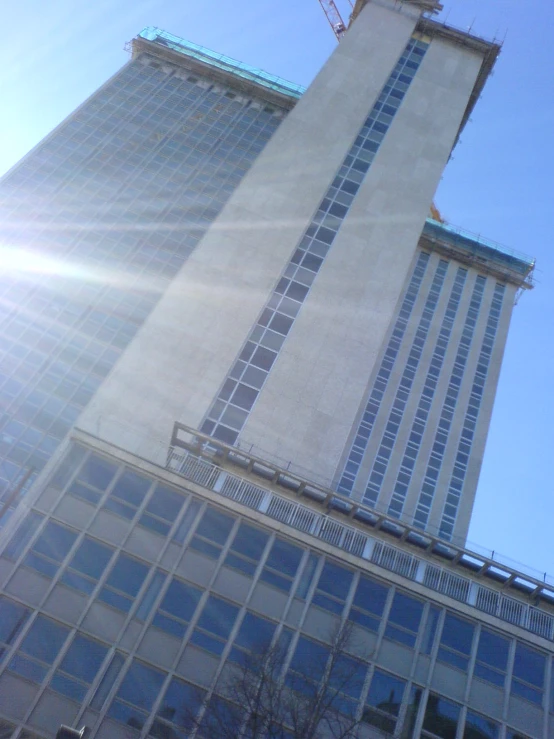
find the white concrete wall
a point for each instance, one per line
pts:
(180, 357)
(310, 400)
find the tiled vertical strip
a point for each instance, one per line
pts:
(459, 472)
(419, 424)
(230, 410)
(367, 421)
(448, 407)
(394, 421)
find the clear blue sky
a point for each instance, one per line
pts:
(499, 182)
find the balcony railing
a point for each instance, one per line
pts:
(350, 539)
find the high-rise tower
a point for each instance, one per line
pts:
(291, 441)
(315, 324)
(329, 360)
(97, 219)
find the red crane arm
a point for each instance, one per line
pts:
(334, 17)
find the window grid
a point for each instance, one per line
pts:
(419, 424)
(525, 666)
(436, 456)
(13, 617)
(383, 701)
(58, 337)
(394, 421)
(332, 588)
(368, 604)
(87, 565)
(463, 451)
(365, 427)
(235, 400)
(492, 658)
(456, 642)
(78, 668)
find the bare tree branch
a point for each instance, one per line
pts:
(317, 698)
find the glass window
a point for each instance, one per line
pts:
(368, 604)
(383, 701)
(492, 657)
(552, 687)
(50, 549)
(87, 565)
(212, 533)
(179, 708)
(513, 734)
(150, 595)
(247, 549)
(124, 582)
(441, 717)
(177, 608)
(127, 494)
(528, 674)
(136, 695)
(456, 641)
(221, 717)
(13, 617)
(214, 625)
(70, 463)
(479, 727)
(281, 565)
(254, 635)
(309, 660)
(23, 535)
(404, 619)
(307, 576)
(8, 729)
(347, 675)
(412, 710)
(162, 510)
(187, 521)
(93, 479)
(79, 667)
(106, 684)
(39, 649)
(333, 587)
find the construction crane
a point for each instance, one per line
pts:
(334, 17)
(435, 214)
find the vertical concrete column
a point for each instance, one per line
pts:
(307, 407)
(180, 358)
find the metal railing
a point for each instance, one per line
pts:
(352, 540)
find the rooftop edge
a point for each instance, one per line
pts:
(508, 264)
(435, 28)
(220, 62)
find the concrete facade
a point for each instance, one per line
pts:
(305, 412)
(425, 631)
(152, 555)
(340, 329)
(235, 267)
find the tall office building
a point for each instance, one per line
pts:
(97, 219)
(292, 439)
(321, 323)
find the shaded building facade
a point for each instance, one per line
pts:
(106, 209)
